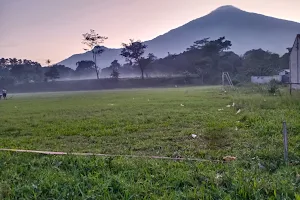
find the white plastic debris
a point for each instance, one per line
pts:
(238, 111)
(228, 106)
(261, 166)
(181, 105)
(194, 136)
(218, 176)
(220, 109)
(233, 104)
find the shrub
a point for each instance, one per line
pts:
(235, 82)
(273, 86)
(187, 77)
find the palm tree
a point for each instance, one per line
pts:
(48, 62)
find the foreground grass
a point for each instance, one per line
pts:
(25, 176)
(150, 122)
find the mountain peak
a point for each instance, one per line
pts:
(227, 8)
(246, 31)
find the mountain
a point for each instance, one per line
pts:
(105, 59)
(246, 31)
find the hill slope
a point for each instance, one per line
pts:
(246, 31)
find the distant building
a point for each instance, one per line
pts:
(284, 72)
(265, 79)
(295, 64)
(283, 76)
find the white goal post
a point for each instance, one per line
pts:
(226, 80)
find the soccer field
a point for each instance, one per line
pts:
(198, 123)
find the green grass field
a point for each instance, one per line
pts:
(150, 122)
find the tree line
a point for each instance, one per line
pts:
(205, 58)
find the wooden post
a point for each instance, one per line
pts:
(223, 81)
(285, 142)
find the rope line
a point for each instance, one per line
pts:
(106, 155)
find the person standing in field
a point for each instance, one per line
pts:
(4, 93)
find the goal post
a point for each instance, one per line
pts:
(226, 80)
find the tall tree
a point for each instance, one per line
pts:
(133, 53)
(93, 40)
(207, 58)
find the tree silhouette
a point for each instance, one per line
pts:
(115, 73)
(3, 62)
(64, 72)
(52, 74)
(17, 71)
(133, 52)
(145, 62)
(202, 67)
(258, 62)
(85, 68)
(24, 70)
(84, 65)
(199, 44)
(205, 58)
(114, 66)
(93, 40)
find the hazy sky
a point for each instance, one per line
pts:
(42, 29)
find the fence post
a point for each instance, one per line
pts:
(285, 142)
